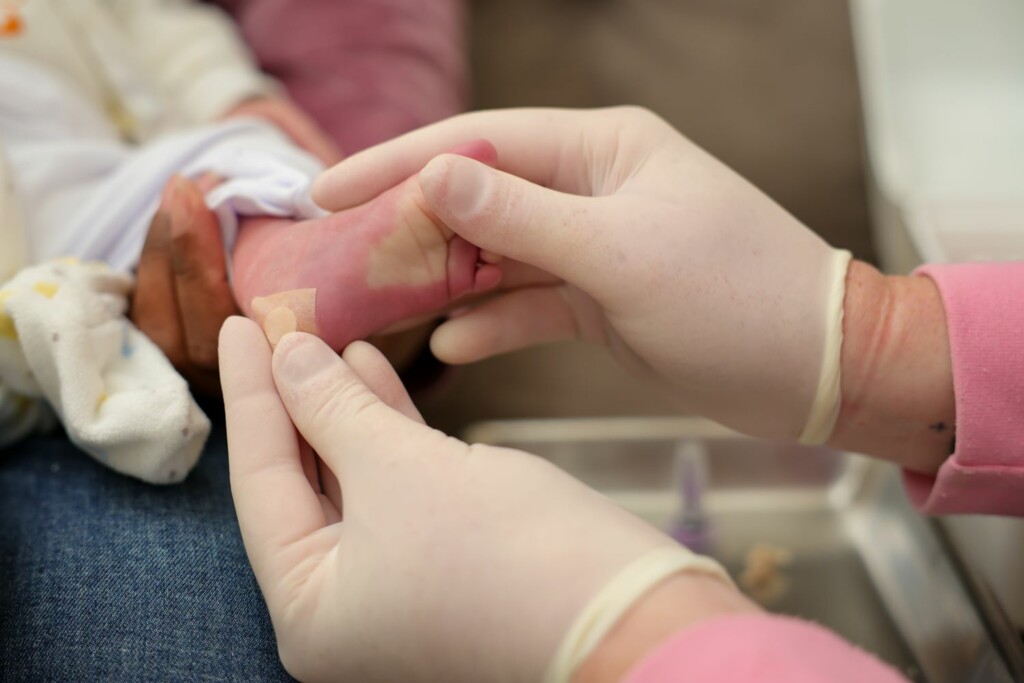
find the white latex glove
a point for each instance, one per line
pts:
(651, 247)
(433, 560)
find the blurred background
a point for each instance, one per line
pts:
(768, 87)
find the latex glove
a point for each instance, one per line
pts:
(293, 122)
(652, 246)
(450, 562)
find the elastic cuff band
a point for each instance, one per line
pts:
(606, 608)
(825, 409)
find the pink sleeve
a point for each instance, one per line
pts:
(984, 305)
(365, 70)
(768, 649)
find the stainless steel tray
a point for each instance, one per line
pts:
(863, 562)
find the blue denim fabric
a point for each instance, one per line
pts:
(103, 578)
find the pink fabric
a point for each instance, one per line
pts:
(984, 305)
(764, 648)
(366, 70)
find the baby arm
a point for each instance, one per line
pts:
(293, 122)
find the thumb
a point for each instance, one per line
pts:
(566, 235)
(341, 418)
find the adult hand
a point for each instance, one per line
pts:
(293, 122)
(651, 247)
(182, 295)
(412, 556)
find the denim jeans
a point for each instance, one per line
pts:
(103, 578)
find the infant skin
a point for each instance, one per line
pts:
(360, 271)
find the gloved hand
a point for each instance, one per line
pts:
(648, 245)
(432, 560)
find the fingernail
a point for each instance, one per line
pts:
(300, 357)
(456, 187)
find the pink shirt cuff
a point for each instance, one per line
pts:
(764, 648)
(984, 305)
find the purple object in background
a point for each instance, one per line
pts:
(691, 526)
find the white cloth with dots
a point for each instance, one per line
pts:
(66, 344)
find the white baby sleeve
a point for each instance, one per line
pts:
(119, 398)
(195, 55)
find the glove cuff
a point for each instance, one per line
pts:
(606, 608)
(825, 409)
